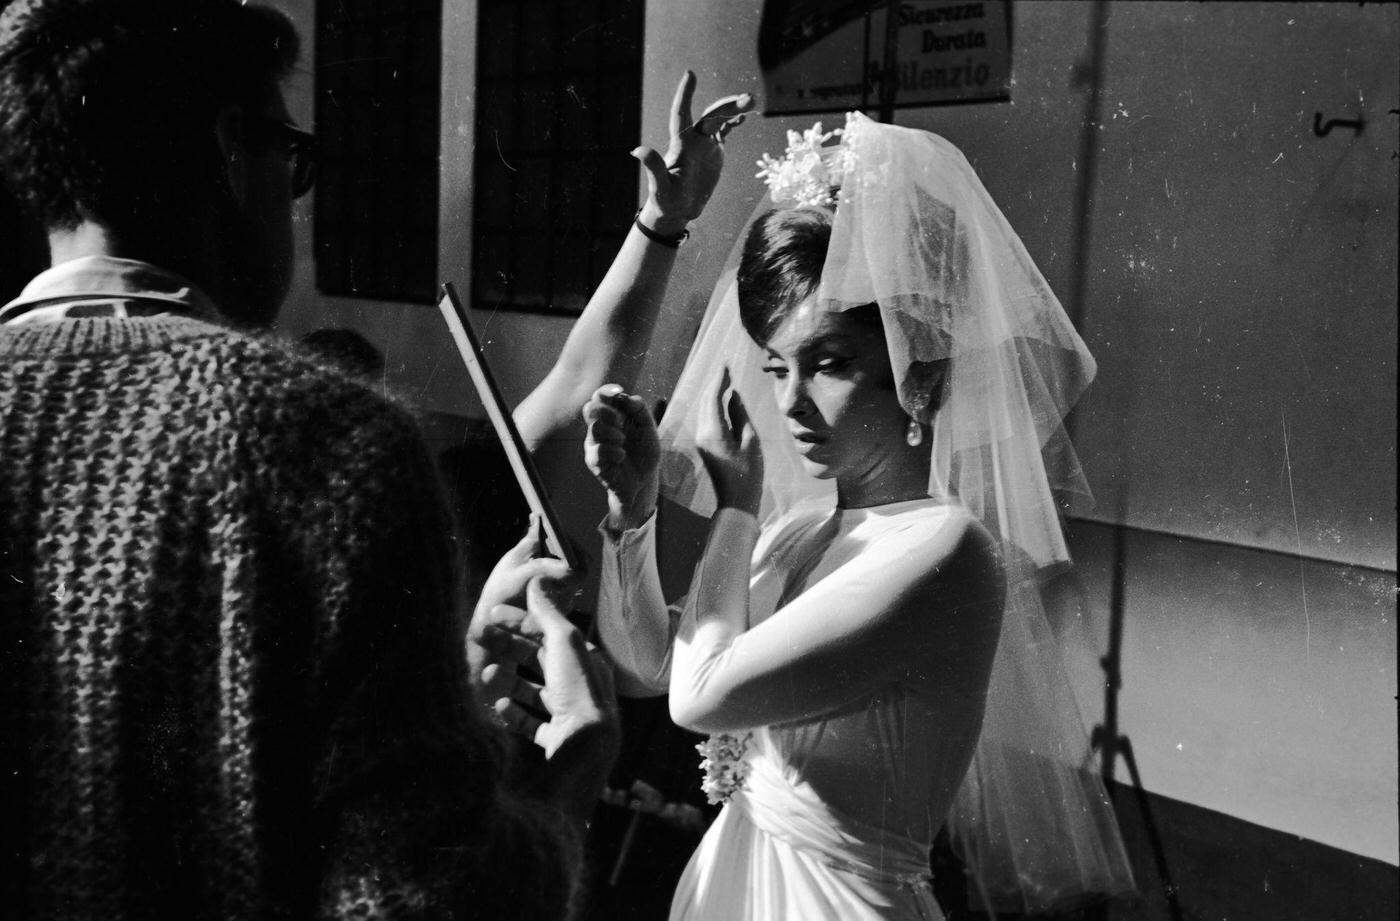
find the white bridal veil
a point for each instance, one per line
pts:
(916, 233)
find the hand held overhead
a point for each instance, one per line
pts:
(611, 338)
(680, 183)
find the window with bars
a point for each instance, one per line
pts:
(558, 108)
(378, 76)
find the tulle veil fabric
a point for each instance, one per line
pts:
(916, 232)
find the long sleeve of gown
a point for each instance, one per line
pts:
(882, 617)
(634, 621)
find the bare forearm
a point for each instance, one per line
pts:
(611, 338)
(609, 341)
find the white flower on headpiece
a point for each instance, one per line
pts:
(809, 174)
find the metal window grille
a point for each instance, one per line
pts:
(378, 77)
(559, 107)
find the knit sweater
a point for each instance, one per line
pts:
(231, 681)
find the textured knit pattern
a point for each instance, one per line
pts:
(231, 681)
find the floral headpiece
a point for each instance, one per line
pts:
(810, 173)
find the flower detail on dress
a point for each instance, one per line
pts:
(809, 174)
(722, 760)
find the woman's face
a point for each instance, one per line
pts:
(832, 381)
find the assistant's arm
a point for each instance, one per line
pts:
(878, 619)
(610, 339)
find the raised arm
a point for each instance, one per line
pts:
(611, 337)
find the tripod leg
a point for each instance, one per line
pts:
(1159, 853)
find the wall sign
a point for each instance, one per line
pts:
(834, 55)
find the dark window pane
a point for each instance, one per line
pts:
(495, 199)
(558, 110)
(499, 42)
(532, 271)
(617, 182)
(532, 193)
(377, 116)
(578, 115)
(537, 37)
(491, 268)
(496, 117)
(535, 101)
(576, 190)
(572, 278)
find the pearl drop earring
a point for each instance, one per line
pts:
(914, 434)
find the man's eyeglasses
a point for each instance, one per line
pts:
(300, 146)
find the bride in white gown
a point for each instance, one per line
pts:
(866, 416)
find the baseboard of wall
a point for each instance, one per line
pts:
(1224, 868)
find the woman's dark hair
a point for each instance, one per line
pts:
(780, 267)
(107, 107)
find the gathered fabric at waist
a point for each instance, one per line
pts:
(792, 812)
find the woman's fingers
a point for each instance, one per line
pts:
(614, 417)
(606, 463)
(655, 164)
(605, 440)
(730, 409)
(724, 113)
(722, 392)
(608, 401)
(680, 103)
(606, 431)
(596, 412)
(738, 414)
(632, 407)
(605, 456)
(622, 452)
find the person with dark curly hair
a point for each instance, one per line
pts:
(232, 673)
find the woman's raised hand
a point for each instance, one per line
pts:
(729, 446)
(681, 182)
(622, 451)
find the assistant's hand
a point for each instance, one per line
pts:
(506, 586)
(576, 697)
(623, 453)
(572, 715)
(729, 447)
(681, 183)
